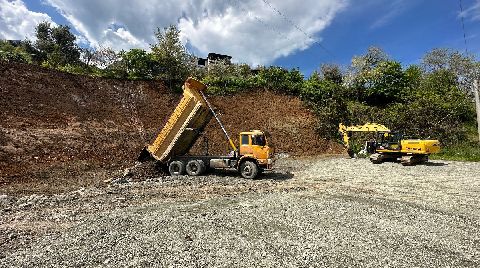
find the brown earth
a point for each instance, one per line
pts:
(60, 131)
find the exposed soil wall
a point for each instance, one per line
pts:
(59, 128)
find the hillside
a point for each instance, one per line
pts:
(58, 129)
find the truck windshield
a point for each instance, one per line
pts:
(259, 140)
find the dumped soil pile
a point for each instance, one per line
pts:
(59, 130)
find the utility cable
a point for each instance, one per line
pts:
(463, 26)
(291, 22)
(261, 21)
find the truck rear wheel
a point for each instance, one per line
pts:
(249, 170)
(176, 168)
(195, 167)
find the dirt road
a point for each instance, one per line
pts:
(311, 212)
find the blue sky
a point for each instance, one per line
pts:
(266, 32)
(406, 34)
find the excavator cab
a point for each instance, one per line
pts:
(389, 141)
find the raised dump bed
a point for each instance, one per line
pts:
(183, 127)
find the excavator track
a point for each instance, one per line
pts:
(411, 160)
(377, 158)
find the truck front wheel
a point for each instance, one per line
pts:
(176, 168)
(249, 170)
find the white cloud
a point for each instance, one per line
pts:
(17, 22)
(395, 8)
(472, 12)
(257, 34)
(249, 30)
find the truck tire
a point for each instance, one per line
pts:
(176, 168)
(249, 170)
(195, 167)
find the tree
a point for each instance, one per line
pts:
(384, 83)
(87, 55)
(464, 67)
(104, 57)
(56, 45)
(327, 99)
(332, 72)
(413, 76)
(280, 79)
(174, 61)
(370, 60)
(375, 78)
(139, 64)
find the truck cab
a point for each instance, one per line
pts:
(254, 146)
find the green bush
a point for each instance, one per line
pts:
(281, 80)
(10, 53)
(459, 152)
(225, 85)
(13, 56)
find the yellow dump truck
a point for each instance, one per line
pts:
(387, 145)
(186, 125)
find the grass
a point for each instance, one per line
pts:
(460, 152)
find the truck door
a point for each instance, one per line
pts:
(245, 145)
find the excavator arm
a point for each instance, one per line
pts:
(346, 131)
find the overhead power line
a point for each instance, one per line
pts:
(287, 19)
(261, 21)
(463, 26)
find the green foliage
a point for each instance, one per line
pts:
(174, 62)
(281, 80)
(225, 78)
(139, 64)
(56, 46)
(464, 67)
(116, 70)
(384, 83)
(328, 100)
(83, 69)
(226, 85)
(318, 91)
(10, 53)
(375, 79)
(459, 152)
(331, 72)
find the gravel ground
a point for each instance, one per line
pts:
(311, 212)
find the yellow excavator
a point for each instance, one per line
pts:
(387, 145)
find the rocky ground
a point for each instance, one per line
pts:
(320, 211)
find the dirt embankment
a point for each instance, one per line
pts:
(58, 129)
